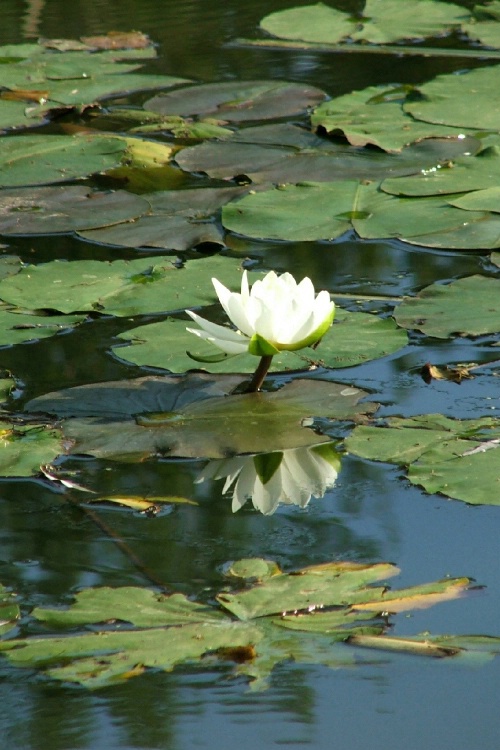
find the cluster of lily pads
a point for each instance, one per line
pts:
(383, 163)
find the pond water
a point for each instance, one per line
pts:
(50, 549)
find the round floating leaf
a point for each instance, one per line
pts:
(312, 23)
(126, 398)
(41, 159)
(65, 209)
(479, 200)
(382, 22)
(457, 458)
(484, 32)
(311, 211)
(383, 215)
(375, 116)
(23, 449)
(237, 101)
(460, 176)
(354, 338)
(16, 328)
(386, 21)
(468, 306)
(144, 285)
(472, 478)
(140, 607)
(38, 81)
(218, 427)
(177, 220)
(468, 100)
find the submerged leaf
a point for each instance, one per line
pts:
(218, 427)
(237, 101)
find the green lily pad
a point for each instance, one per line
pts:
(65, 209)
(120, 399)
(258, 154)
(310, 211)
(10, 611)
(459, 176)
(314, 23)
(177, 220)
(140, 607)
(468, 306)
(175, 630)
(495, 258)
(145, 121)
(143, 285)
(468, 100)
(41, 159)
(457, 458)
(18, 327)
(355, 338)
(375, 116)
(23, 449)
(383, 215)
(382, 22)
(238, 101)
(36, 81)
(479, 200)
(248, 423)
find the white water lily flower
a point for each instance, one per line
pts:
(275, 314)
(291, 476)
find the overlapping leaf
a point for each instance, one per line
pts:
(457, 458)
(381, 21)
(143, 285)
(355, 338)
(171, 630)
(216, 427)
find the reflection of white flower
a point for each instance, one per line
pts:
(291, 476)
(276, 314)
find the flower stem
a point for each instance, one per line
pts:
(259, 374)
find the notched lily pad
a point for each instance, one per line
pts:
(380, 22)
(143, 285)
(468, 306)
(327, 601)
(456, 458)
(466, 100)
(24, 448)
(176, 220)
(221, 427)
(354, 338)
(50, 210)
(238, 101)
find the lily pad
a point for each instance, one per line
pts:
(468, 306)
(238, 101)
(457, 458)
(467, 100)
(458, 176)
(24, 448)
(311, 211)
(376, 116)
(381, 22)
(140, 607)
(218, 427)
(17, 327)
(36, 81)
(171, 630)
(41, 159)
(65, 209)
(354, 338)
(122, 399)
(177, 220)
(135, 287)
(10, 611)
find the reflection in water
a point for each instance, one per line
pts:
(291, 476)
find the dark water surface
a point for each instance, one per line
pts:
(49, 549)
